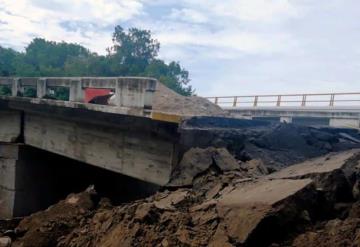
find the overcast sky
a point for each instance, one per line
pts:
(230, 47)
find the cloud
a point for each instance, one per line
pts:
(188, 15)
(80, 21)
(242, 46)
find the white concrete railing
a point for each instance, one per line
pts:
(129, 91)
(295, 100)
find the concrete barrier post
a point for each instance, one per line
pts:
(76, 91)
(130, 92)
(15, 87)
(149, 93)
(41, 88)
(118, 92)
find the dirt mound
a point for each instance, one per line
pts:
(167, 101)
(334, 233)
(236, 185)
(47, 227)
(222, 207)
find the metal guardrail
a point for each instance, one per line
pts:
(297, 100)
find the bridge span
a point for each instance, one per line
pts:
(333, 109)
(128, 138)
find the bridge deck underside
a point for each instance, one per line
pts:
(135, 146)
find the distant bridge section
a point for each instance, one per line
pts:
(333, 109)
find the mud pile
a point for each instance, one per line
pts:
(225, 194)
(315, 203)
(168, 101)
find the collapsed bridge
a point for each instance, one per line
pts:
(128, 138)
(50, 148)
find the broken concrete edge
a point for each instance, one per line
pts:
(314, 167)
(261, 212)
(250, 214)
(121, 110)
(196, 161)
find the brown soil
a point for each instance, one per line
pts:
(168, 101)
(47, 227)
(223, 206)
(241, 189)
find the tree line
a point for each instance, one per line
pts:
(134, 53)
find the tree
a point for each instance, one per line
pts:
(172, 75)
(7, 58)
(5, 90)
(48, 58)
(134, 50)
(134, 53)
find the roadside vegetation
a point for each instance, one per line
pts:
(134, 53)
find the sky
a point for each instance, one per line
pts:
(230, 47)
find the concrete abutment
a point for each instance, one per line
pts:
(32, 179)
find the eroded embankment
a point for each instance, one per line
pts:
(241, 189)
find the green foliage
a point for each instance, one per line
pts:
(30, 92)
(134, 53)
(61, 93)
(5, 90)
(172, 75)
(7, 59)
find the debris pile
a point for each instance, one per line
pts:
(276, 145)
(308, 204)
(168, 101)
(241, 190)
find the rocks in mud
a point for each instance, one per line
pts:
(259, 213)
(334, 233)
(256, 213)
(198, 160)
(335, 174)
(215, 200)
(254, 168)
(46, 227)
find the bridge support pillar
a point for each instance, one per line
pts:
(9, 164)
(24, 180)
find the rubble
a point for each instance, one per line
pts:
(242, 190)
(46, 227)
(198, 160)
(276, 145)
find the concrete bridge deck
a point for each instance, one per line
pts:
(127, 138)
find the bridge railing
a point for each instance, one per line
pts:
(129, 91)
(297, 100)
